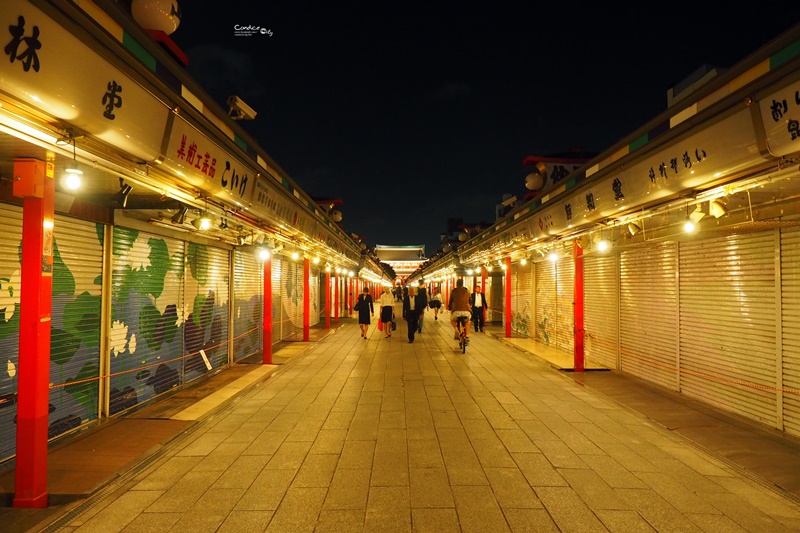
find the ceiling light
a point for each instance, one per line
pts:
(121, 197)
(634, 228)
(603, 245)
(688, 226)
(263, 254)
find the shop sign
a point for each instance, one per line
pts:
(51, 70)
(780, 114)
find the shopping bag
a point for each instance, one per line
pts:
(380, 325)
(394, 324)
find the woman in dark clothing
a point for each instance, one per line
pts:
(365, 311)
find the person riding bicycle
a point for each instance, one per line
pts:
(459, 307)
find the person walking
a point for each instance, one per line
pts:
(412, 308)
(365, 311)
(436, 303)
(477, 300)
(386, 303)
(459, 306)
(422, 294)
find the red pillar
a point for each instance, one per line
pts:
(327, 300)
(266, 356)
(36, 184)
(306, 298)
(577, 253)
(508, 296)
(336, 299)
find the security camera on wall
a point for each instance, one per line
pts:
(239, 110)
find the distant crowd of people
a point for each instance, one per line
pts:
(415, 300)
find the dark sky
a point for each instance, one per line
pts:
(413, 114)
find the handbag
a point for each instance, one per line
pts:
(394, 324)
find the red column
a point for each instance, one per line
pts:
(306, 298)
(577, 253)
(508, 296)
(35, 182)
(336, 299)
(266, 356)
(327, 300)
(483, 290)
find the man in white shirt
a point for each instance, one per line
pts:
(478, 302)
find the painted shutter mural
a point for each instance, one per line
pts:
(248, 310)
(147, 317)
(277, 307)
(291, 287)
(546, 318)
(75, 325)
(727, 317)
(10, 281)
(314, 294)
(565, 304)
(521, 320)
(205, 333)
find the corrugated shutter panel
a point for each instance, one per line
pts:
(494, 297)
(648, 313)
(521, 319)
(790, 297)
(248, 310)
(565, 304)
(546, 301)
(75, 326)
(727, 318)
(313, 289)
(148, 317)
(290, 286)
(601, 308)
(10, 281)
(206, 305)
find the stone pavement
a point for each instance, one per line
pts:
(383, 435)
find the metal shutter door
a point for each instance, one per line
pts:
(494, 298)
(601, 308)
(521, 300)
(546, 317)
(75, 326)
(648, 313)
(313, 289)
(565, 304)
(790, 328)
(248, 305)
(147, 317)
(727, 323)
(291, 300)
(277, 304)
(10, 281)
(206, 307)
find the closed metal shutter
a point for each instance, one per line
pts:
(565, 304)
(546, 302)
(790, 296)
(291, 287)
(648, 313)
(601, 309)
(277, 305)
(206, 307)
(248, 305)
(521, 320)
(494, 297)
(313, 288)
(75, 326)
(148, 317)
(727, 318)
(10, 282)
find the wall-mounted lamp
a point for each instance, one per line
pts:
(203, 222)
(241, 239)
(180, 216)
(264, 254)
(72, 180)
(697, 215)
(717, 209)
(634, 228)
(121, 196)
(295, 256)
(523, 261)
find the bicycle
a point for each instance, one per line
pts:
(463, 340)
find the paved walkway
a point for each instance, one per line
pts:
(383, 435)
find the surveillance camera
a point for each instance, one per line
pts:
(239, 110)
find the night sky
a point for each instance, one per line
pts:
(412, 114)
